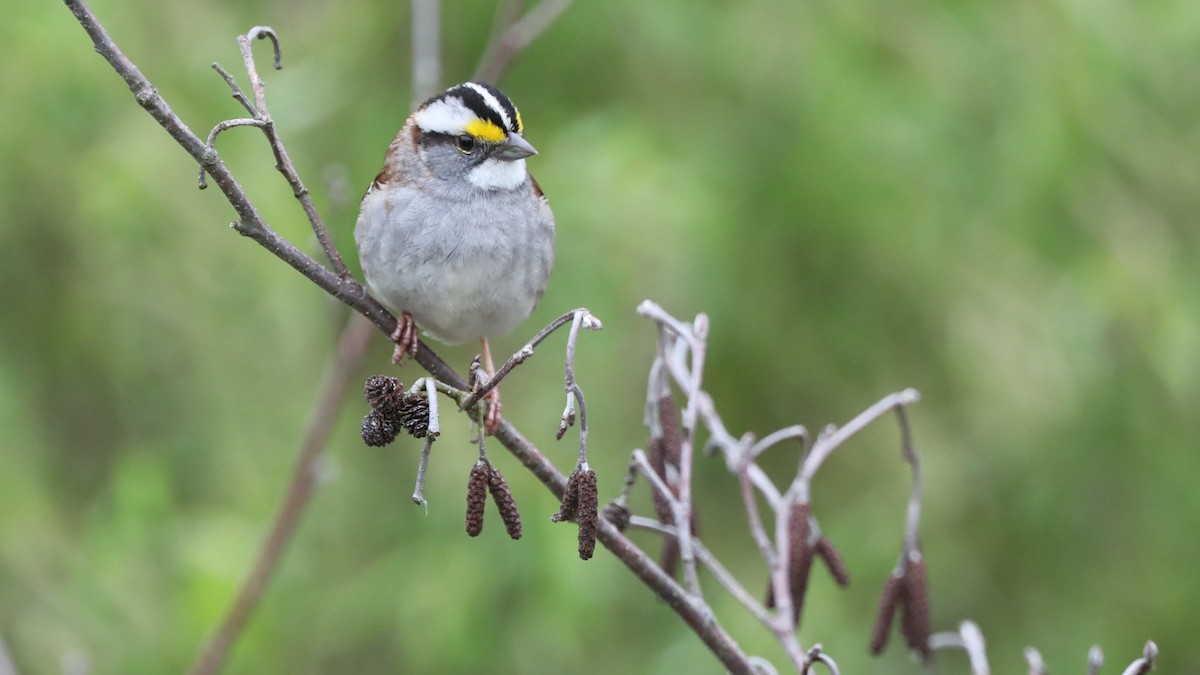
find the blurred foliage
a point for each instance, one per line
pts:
(991, 202)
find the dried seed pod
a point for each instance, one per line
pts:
(617, 514)
(588, 502)
(800, 556)
(668, 421)
(668, 558)
(570, 499)
(383, 393)
(377, 429)
(505, 503)
(914, 612)
(412, 414)
(893, 589)
(662, 506)
(477, 488)
(664, 455)
(833, 560)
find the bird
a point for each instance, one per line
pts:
(454, 233)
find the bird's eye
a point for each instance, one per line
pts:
(465, 144)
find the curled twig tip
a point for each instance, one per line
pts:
(817, 655)
(265, 33)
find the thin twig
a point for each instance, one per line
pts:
(750, 503)
(351, 350)
(694, 336)
(969, 639)
(1147, 663)
(508, 12)
(827, 443)
(283, 162)
(418, 496)
(817, 655)
(432, 431)
(572, 388)
(714, 566)
(588, 321)
(238, 95)
(912, 522)
(516, 37)
(426, 49)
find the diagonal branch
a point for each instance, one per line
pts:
(506, 44)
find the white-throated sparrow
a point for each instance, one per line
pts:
(454, 233)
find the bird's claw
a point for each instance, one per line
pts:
(405, 337)
(491, 416)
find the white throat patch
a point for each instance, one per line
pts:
(498, 174)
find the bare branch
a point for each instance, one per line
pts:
(695, 614)
(516, 37)
(351, 350)
(238, 95)
(714, 566)
(266, 32)
(587, 320)
(426, 49)
(1147, 663)
(418, 496)
(750, 502)
(968, 638)
(283, 162)
(816, 655)
(825, 445)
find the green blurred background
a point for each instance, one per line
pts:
(994, 203)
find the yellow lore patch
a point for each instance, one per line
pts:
(520, 124)
(486, 131)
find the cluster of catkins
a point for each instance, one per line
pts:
(392, 410)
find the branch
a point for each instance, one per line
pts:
(505, 45)
(426, 49)
(351, 350)
(969, 639)
(586, 320)
(262, 120)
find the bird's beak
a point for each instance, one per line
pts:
(515, 147)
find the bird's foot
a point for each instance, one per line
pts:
(491, 417)
(405, 337)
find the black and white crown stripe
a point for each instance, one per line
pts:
(451, 111)
(495, 100)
